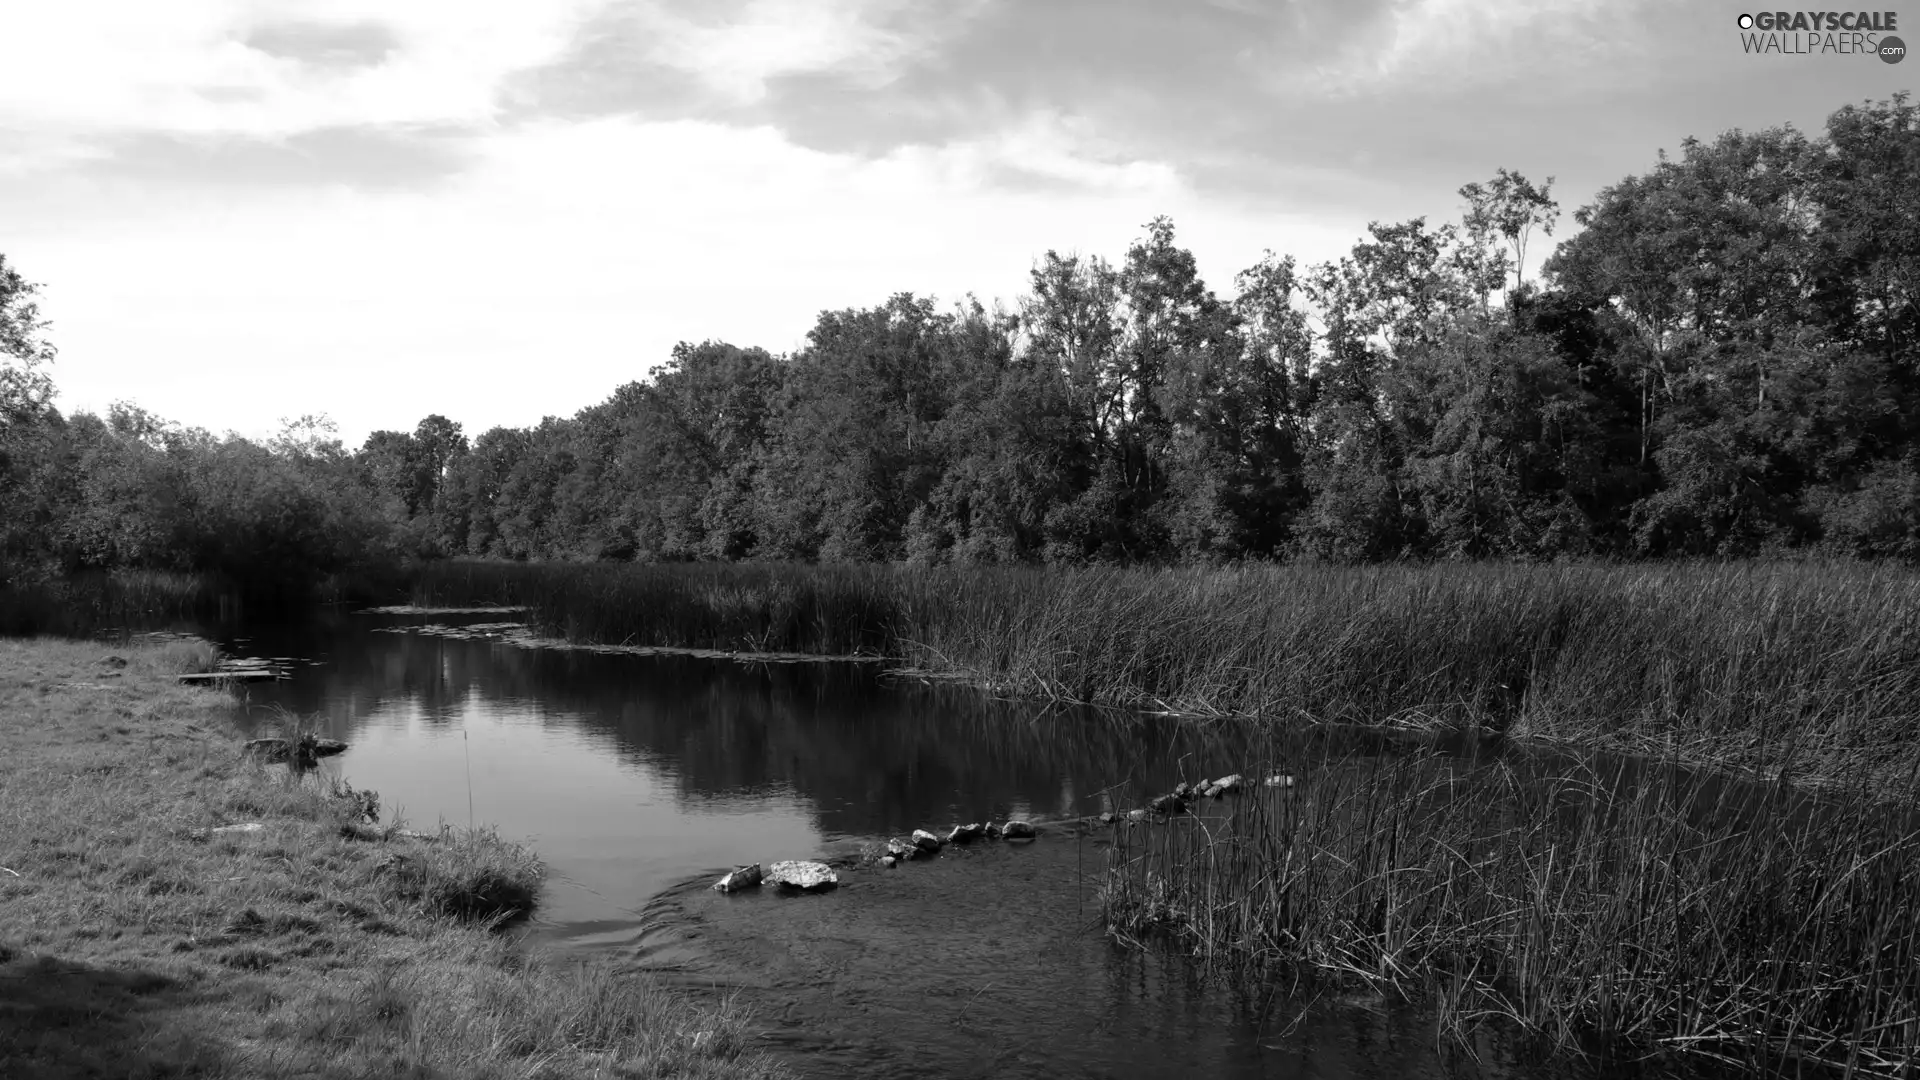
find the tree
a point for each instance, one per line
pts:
(1509, 207)
(26, 389)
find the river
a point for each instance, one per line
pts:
(640, 779)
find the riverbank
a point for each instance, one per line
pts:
(135, 940)
(1806, 669)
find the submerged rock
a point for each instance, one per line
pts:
(745, 877)
(962, 834)
(1018, 830)
(926, 841)
(802, 875)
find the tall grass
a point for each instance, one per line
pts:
(1742, 664)
(1589, 908)
(92, 602)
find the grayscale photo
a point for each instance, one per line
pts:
(1031, 539)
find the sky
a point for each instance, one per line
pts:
(247, 211)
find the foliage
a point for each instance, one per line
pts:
(1721, 362)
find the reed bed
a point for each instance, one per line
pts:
(1746, 665)
(92, 602)
(1614, 910)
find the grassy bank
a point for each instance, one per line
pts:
(1628, 911)
(1758, 666)
(135, 941)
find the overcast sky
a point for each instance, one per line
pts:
(500, 211)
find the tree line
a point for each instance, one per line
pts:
(1722, 360)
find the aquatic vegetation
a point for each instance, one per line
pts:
(1623, 909)
(1738, 664)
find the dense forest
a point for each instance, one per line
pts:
(1724, 359)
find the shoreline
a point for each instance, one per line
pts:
(136, 940)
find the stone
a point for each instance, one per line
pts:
(1169, 804)
(994, 830)
(745, 877)
(802, 875)
(1137, 815)
(926, 841)
(1213, 791)
(246, 827)
(1109, 818)
(1230, 785)
(889, 861)
(1183, 790)
(1018, 830)
(901, 850)
(308, 748)
(962, 834)
(1280, 780)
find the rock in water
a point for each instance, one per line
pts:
(901, 849)
(802, 875)
(745, 877)
(1169, 804)
(1018, 830)
(1230, 785)
(963, 833)
(993, 830)
(1137, 815)
(1183, 790)
(926, 841)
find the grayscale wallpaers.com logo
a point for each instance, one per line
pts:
(1843, 33)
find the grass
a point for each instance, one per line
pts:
(1627, 911)
(137, 942)
(1742, 665)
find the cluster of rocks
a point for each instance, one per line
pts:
(923, 844)
(803, 875)
(812, 876)
(1184, 795)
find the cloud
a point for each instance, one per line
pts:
(325, 45)
(372, 158)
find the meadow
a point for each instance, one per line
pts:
(135, 940)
